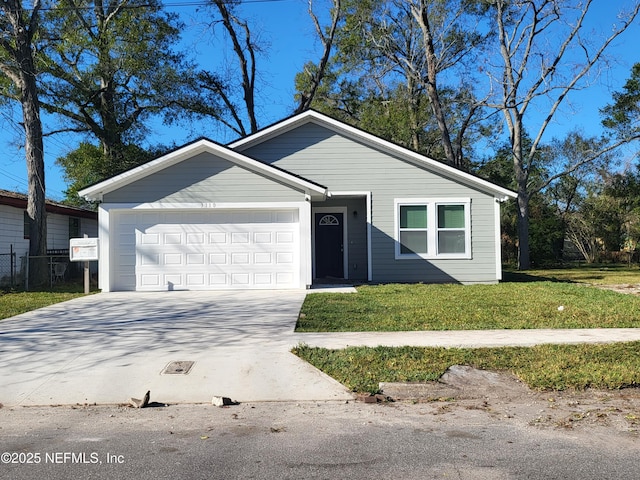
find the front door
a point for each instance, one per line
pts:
(329, 245)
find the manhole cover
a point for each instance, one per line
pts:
(178, 368)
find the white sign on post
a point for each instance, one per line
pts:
(83, 249)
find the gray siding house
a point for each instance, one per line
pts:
(304, 201)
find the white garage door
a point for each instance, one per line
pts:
(207, 250)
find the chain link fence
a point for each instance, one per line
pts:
(45, 272)
(8, 270)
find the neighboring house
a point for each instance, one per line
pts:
(63, 222)
(306, 200)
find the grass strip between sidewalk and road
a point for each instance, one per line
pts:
(543, 367)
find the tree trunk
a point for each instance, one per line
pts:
(524, 261)
(522, 180)
(413, 113)
(34, 152)
(422, 16)
(35, 168)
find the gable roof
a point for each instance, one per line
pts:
(202, 145)
(20, 200)
(317, 118)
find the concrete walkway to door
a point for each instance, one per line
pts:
(108, 347)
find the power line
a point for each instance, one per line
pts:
(13, 178)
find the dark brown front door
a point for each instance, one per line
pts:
(329, 245)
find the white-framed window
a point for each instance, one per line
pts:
(433, 228)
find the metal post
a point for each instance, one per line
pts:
(12, 265)
(26, 276)
(86, 274)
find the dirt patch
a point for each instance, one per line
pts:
(628, 288)
(504, 396)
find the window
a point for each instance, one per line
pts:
(433, 228)
(74, 227)
(451, 230)
(26, 227)
(329, 220)
(413, 229)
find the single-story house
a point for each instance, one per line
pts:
(305, 200)
(63, 222)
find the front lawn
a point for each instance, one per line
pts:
(509, 305)
(15, 303)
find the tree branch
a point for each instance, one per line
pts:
(327, 42)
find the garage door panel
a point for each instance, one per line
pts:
(172, 238)
(240, 279)
(263, 238)
(150, 259)
(195, 238)
(205, 250)
(285, 237)
(150, 280)
(173, 280)
(218, 238)
(172, 259)
(263, 258)
(149, 238)
(239, 237)
(195, 279)
(283, 278)
(284, 258)
(195, 259)
(218, 259)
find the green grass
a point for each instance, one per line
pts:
(524, 300)
(544, 367)
(469, 307)
(14, 303)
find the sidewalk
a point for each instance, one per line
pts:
(467, 338)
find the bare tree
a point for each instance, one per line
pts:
(536, 73)
(581, 232)
(428, 45)
(18, 27)
(421, 14)
(245, 49)
(326, 36)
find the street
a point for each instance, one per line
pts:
(327, 440)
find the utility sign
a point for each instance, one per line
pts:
(83, 249)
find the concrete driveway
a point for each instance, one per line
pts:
(108, 347)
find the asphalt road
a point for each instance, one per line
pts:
(331, 440)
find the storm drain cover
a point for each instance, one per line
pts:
(178, 368)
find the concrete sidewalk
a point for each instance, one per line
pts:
(468, 338)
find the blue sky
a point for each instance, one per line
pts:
(286, 29)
